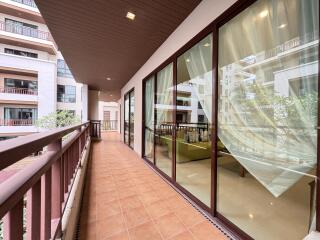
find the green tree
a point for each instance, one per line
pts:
(58, 119)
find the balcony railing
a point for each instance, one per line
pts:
(17, 122)
(109, 125)
(47, 182)
(95, 129)
(24, 91)
(29, 3)
(25, 31)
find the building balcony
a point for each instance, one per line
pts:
(29, 3)
(23, 91)
(27, 37)
(122, 196)
(17, 122)
(18, 95)
(25, 9)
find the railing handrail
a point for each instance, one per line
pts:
(14, 90)
(39, 33)
(49, 179)
(13, 150)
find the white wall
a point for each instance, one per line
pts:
(93, 104)
(203, 15)
(84, 102)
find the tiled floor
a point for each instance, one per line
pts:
(125, 199)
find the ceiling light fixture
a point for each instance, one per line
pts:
(188, 60)
(108, 78)
(131, 15)
(206, 45)
(282, 25)
(263, 14)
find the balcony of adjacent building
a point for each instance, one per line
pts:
(18, 91)
(18, 119)
(26, 35)
(25, 9)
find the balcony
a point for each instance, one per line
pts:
(27, 37)
(109, 125)
(17, 122)
(25, 31)
(29, 3)
(123, 197)
(23, 91)
(18, 95)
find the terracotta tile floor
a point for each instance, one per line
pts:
(125, 199)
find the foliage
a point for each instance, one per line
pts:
(58, 119)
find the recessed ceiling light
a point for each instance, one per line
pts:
(264, 13)
(188, 60)
(206, 45)
(131, 15)
(108, 78)
(282, 25)
(110, 95)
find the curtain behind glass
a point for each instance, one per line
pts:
(268, 73)
(199, 64)
(165, 98)
(149, 115)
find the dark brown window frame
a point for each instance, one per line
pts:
(213, 28)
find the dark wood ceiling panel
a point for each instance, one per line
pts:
(98, 41)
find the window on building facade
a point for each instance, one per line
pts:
(20, 53)
(22, 28)
(11, 113)
(66, 93)
(63, 69)
(31, 86)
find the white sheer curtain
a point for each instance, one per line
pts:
(268, 95)
(164, 94)
(199, 64)
(149, 114)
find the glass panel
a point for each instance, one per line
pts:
(149, 119)
(126, 118)
(164, 119)
(66, 93)
(193, 116)
(267, 118)
(132, 119)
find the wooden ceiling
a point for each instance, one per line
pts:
(98, 41)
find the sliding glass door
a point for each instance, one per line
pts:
(149, 119)
(194, 119)
(267, 119)
(233, 120)
(164, 120)
(126, 118)
(129, 118)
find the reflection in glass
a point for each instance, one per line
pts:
(126, 118)
(267, 116)
(131, 119)
(149, 116)
(193, 116)
(164, 119)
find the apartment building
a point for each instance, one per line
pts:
(34, 78)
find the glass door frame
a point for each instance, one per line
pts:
(128, 94)
(213, 28)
